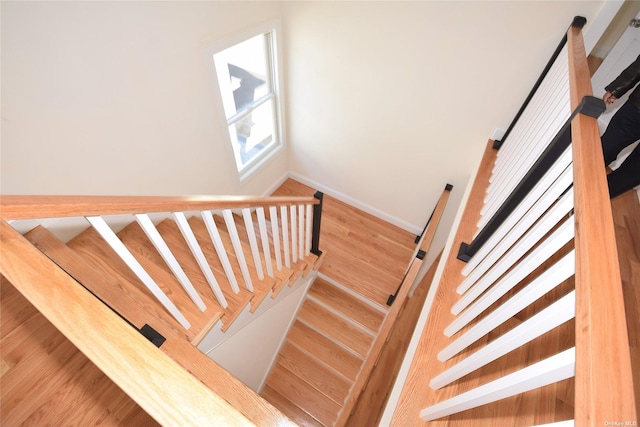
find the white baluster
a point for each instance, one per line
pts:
(554, 369)
(552, 184)
(510, 249)
(196, 250)
(210, 223)
(285, 236)
(543, 251)
(161, 246)
(301, 231)
(253, 242)
(544, 283)
(556, 314)
(264, 238)
(237, 247)
(294, 233)
(276, 236)
(116, 244)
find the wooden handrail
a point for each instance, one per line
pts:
(416, 392)
(36, 207)
(169, 393)
(604, 382)
(427, 237)
(392, 315)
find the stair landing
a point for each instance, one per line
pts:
(364, 253)
(365, 261)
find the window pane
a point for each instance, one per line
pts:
(243, 74)
(253, 134)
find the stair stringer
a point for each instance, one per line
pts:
(248, 349)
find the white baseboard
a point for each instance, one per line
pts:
(269, 191)
(412, 228)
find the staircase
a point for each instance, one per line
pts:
(528, 323)
(176, 279)
(341, 328)
(323, 354)
(178, 274)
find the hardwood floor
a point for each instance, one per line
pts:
(373, 399)
(31, 344)
(544, 405)
(365, 261)
(364, 253)
(626, 217)
(47, 381)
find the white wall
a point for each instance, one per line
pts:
(117, 98)
(389, 101)
(250, 352)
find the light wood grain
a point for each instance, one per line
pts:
(99, 255)
(357, 310)
(626, 217)
(377, 345)
(389, 321)
(415, 393)
(371, 403)
(48, 379)
(132, 303)
(311, 370)
(296, 414)
(364, 253)
(201, 321)
(367, 256)
(38, 207)
(175, 241)
(147, 375)
(261, 288)
(28, 344)
(335, 327)
(305, 396)
(604, 385)
(330, 353)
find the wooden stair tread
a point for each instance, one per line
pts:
(284, 276)
(335, 327)
(302, 263)
(132, 303)
(261, 288)
(48, 378)
(359, 276)
(364, 253)
(141, 247)
(303, 395)
(172, 236)
(314, 372)
(356, 309)
(330, 353)
(98, 253)
(294, 413)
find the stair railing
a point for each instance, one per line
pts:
(545, 223)
(424, 239)
(423, 245)
(157, 383)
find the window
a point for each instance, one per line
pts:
(247, 80)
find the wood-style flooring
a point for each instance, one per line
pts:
(626, 217)
(334, 330)
(544, 405)
(364, 253)
(46, 381)
(43, 375)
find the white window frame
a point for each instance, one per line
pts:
(275, 67)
